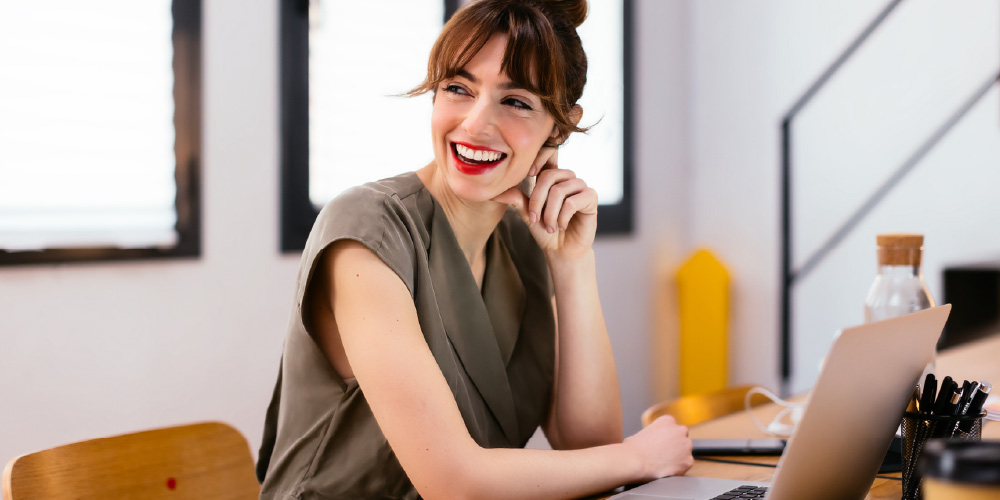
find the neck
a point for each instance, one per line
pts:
(472, 222)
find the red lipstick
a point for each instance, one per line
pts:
(470, 166)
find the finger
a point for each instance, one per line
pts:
(583, 202)
(515, 198)
(543, 183)
(556, 202)
(547, 158)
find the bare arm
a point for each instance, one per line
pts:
(414, 407)
(586, 402)
(561, 214)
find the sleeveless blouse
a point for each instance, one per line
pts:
(495, 348)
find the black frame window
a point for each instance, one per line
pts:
(299, 209)
(184, 239)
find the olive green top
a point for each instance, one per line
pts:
(495, 348)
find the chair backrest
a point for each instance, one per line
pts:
(697, 408)
(204, 460)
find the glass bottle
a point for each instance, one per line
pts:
(899, 287)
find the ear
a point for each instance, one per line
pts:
(575, 115)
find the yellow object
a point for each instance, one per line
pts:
(703, 294)
(698, 408)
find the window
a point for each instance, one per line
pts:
(99, 130)
(343, 66)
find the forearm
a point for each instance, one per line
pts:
(586, 407)
(548, 474)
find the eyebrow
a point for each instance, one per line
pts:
(505, 86)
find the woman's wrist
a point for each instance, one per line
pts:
(561, 263)
(635, 466)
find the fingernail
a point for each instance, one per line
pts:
(531, 173)
(533, 217)
(549, 229)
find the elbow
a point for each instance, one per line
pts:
(590, 436)
(457, 479)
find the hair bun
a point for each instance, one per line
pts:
(572, 11)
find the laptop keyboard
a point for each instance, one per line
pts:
(743, 492)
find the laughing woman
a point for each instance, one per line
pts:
(443, 315)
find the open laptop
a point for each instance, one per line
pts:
(850, 419)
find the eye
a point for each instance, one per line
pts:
(517, 103)
(455, 89)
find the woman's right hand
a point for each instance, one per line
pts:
(663, 447)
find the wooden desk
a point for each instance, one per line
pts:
(975, 361)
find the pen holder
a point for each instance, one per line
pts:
(918, 428)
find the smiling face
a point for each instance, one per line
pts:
(487, 130)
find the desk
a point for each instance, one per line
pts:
(974, 361)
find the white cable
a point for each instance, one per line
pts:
(776, 428)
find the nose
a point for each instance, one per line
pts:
(480, 120)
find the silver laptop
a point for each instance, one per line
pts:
(850, 419)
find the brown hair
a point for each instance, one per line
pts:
(543, 54)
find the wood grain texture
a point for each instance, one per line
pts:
(204, 460)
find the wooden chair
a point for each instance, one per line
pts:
(204, 460)
(697, 408)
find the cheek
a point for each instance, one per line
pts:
(437, 122)
(529, 140)
(443, 116)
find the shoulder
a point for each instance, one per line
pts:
(367, 211)
(384, 216)
(373, 198)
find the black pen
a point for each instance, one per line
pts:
(946, 429)
(976, 407)
(966, 395)
(963, 405)
(944, 395)
(930, 389)
(967, 399)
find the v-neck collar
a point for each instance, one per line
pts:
(482, 326)
(503, 294)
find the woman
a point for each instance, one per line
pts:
(443, 315)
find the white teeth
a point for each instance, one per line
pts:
(477, 155)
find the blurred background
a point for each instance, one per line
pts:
(156, 158)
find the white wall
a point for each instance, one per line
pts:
(750, 62)
(99, 349)
(92, 350)
(626, 265)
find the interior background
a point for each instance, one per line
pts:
(98, 349)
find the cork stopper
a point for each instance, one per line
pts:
(900, 249)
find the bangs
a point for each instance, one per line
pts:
(525, 61)
(534, 57)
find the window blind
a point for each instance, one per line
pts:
(86, 125)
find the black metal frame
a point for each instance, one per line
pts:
(790, 276)
(187, 151)
(297, 211)
(618, 218)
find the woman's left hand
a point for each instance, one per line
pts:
(561, 211)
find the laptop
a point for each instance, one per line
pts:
(851, 416)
